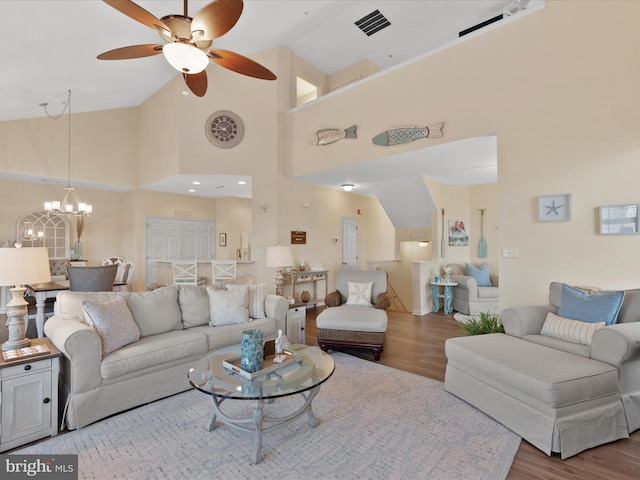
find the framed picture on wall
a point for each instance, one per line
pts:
(222, 239)
(458, 233)
(554, 208)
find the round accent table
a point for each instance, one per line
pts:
(447, 295)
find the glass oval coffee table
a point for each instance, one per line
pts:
(303, 378)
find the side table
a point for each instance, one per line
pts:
(29, 397)
(296, 323)
(447, 295)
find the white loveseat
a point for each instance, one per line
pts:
(174, 332)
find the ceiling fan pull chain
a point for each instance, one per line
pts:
(185, 92)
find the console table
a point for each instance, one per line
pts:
(447, 295)
(307, 278)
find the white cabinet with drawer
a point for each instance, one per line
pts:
(29, 398)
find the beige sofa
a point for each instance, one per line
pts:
(559, 395)
(174, 332)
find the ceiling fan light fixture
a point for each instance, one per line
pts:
(185, 58)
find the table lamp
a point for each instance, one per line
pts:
(18, 267)
(279, 257)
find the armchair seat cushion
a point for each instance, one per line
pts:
(353, 317)
(488, 292)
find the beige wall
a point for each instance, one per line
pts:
(559, 88)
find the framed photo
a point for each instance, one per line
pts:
(222, 239)
(458, 233)
(619, 219)
(554, 208)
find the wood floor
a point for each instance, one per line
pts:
(416, 344)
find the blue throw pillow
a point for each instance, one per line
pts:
(598, 307)
(480, 274)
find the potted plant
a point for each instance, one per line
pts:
(482, 323)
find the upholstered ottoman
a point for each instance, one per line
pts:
(557, 401)
(352, 326)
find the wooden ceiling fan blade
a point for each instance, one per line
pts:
(133, 51)
(240, 64)
(216, 18)
(139, 14)
(197, 82)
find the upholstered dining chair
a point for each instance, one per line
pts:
(355, 315)
(92, 279)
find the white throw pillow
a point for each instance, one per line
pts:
(229, 306)
(256, 299)
(359, 293)
(571, 330)
(113, 322)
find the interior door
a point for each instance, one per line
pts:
(349, 243)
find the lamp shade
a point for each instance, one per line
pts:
(185, 58)
(280, 256)
(23, 266)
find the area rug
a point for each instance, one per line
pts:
(462, 317)
(376, 423)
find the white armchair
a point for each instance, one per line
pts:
(469, 298)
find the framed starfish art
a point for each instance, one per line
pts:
(554, 208)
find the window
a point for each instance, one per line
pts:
(37, 229)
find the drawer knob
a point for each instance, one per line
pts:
(27, 367)
(47, 400)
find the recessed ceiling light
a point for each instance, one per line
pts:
(197, 183)
(192, 190)
(242, 182)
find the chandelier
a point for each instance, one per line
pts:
(70, 205)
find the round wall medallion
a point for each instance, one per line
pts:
(224, 129)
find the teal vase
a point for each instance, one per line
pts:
(252, 353)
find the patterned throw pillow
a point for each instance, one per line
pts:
(359, 293)
(113, 322)
(571, 330)
(229, 306)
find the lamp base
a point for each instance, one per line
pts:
(16, 310)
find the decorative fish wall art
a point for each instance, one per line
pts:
(328, 136)
(399, 135)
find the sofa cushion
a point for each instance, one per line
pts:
(113, 322)
(194, 305)
(479, 274)
(229, 306)
(156, 351)
(156, 311)
(488, 292)
(573, 330)
(533, 373)
(225, 335)
(359, 293)
(577, 304)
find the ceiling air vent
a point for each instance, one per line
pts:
(372, 23)
(480, 25)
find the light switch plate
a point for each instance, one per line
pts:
(510, 253)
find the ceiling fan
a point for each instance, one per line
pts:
(189, 40)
